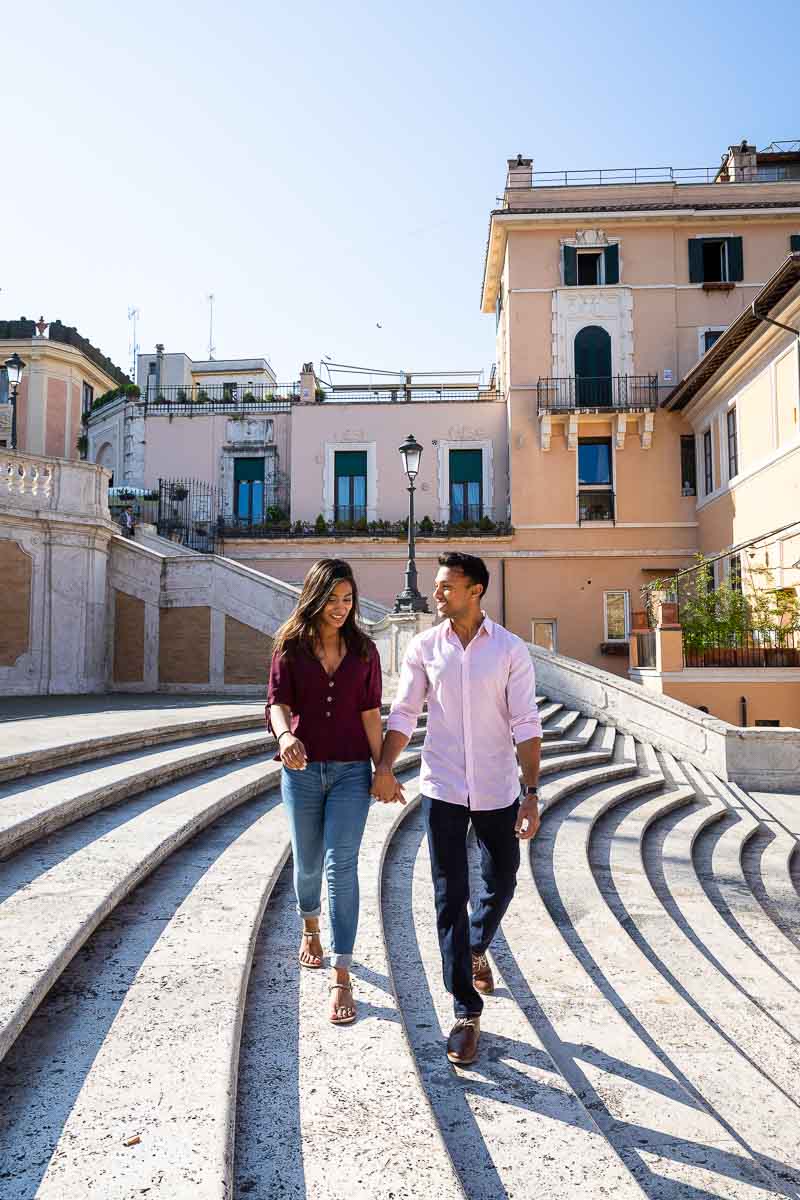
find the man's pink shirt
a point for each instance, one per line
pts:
(481, 700)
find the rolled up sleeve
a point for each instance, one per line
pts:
(521, 696)
(411, 692)
(280, 689)
(373, 683)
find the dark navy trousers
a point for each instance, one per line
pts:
(462, 934)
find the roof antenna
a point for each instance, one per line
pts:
(211, 346)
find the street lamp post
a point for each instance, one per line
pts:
(14, 367)
(410, 600)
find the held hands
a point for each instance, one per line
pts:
(528, 822)
(385, 787)
(293, 752)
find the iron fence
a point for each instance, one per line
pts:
(188, 512)
(222, 398)
(614, 392)
(397, 393)
(749, 648)
(606, 176)
(384, 530)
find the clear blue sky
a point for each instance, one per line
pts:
(323, 167)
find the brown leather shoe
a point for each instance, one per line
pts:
(462, 1044)
(482, 977)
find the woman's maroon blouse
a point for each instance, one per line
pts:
(326, 710)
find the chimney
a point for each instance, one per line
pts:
(520, 173)
(159, 365)
(741, 163)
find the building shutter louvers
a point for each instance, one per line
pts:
(466, 466)
(735, 259)
(570, 266)
(695, 260)
(612, 263)
(794, 243)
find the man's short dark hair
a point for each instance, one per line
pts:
(473, 567)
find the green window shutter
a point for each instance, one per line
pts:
(695, 260)
(570, 266)
(794, 243)
(612, 263)
(735, 259)
(466, 466)
(350, 462)
(248, 470)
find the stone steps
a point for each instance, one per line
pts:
(642, 1041)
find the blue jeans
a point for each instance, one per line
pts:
(327, 804)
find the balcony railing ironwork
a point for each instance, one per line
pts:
(614, 392)
(748, 648)
(595, 504)
(221, 398)
(608, 176)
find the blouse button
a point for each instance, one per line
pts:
(330, 684)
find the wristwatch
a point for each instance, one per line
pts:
(532, 791)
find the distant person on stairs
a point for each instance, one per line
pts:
(324, 707)
(478, 681)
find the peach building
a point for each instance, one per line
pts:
(742, 402)
(63, 375)
(607, 288)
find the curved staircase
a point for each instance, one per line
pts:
(158, 1039)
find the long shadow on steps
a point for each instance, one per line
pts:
(631, 1139)
(652, 855)
(508, 1072)
(43, 1072)
(268, 1159)
(32, 861)
(787, 919)
(725, 1164)
(703, 853)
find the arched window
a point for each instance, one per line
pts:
(593, 367)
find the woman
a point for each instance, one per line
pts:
(325, 710)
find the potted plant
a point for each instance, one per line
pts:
(82, 445)
(320, 526)
(178, 492)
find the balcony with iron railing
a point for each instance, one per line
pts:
(616, 393)
(221, 398)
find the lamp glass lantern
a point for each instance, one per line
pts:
(14, 367)
(411, 453)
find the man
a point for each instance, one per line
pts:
(126, 521)
(478, 680)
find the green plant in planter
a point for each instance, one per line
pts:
(361, 525)
(181, 396)
(275, 514)
(426, 525)
(82, 445)
(202, 396)
(320, 526)
(178, 492)
(299, 528)
(249, 398)
(486, 524)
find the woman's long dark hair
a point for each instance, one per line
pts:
(299, 632)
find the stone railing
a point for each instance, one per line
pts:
(73, 490)
(766, 760)
(23, 477)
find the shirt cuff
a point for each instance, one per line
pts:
(524, 733)
(397, 723)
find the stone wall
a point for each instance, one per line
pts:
(762, 759)
(55, 533)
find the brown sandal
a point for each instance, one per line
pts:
(311, 933)
(347, 987)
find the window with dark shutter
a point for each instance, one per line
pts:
(733, 446)
(794, 243)
(611, 255)
(688, 465)
(350, 474)
(708, 463)
(716, 260)
(570, 266)
(466, 486)
(248, 489)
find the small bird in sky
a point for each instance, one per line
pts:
(378, 325)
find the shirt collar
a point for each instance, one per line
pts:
(487, 627)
